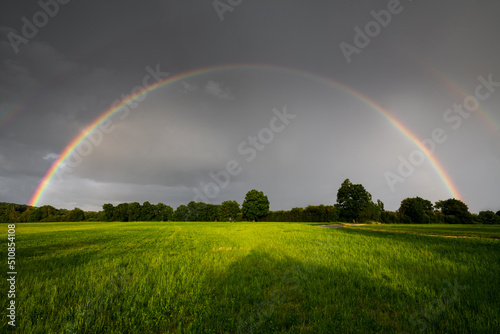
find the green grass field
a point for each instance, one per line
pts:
(178, 277)
(483, 231)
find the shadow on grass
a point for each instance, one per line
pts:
(260, 294)
(264, 292)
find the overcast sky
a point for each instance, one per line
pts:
(276, 128)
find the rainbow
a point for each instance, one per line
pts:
(73, 145)
(10, 113)
(460, 92)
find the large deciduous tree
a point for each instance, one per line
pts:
(228, 210)
(75, 215)
(454, 211)
(181, 213)
(163, 212)
(121, 212)
(355, 203)
(108, 209)
(416, 210)
(255, 206)
(147, 212)
(134, 212)
(489, 217)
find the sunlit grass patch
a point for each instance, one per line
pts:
(251, 277)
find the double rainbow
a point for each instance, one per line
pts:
(73, 145)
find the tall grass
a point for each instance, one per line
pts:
(250, 278)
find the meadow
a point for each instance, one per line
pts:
(194, 277)
(449, 230)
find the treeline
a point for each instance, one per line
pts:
(451, 211)
(19, 213)
(312, 213)
(354, 204)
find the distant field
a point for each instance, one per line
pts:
(485, 231)
(178, 277)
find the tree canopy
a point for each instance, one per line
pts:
(416, 210)
(454, 211)
(255, 206)
(355, 203)
(228, 210)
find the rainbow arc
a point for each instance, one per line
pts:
(73, 145)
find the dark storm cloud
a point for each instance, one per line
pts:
(90, 54)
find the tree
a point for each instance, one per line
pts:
(228, 210)
(489, 217)
(181, 213)
(255, 206)
(147, 212)
(44, 213)
(35, 215)
(370, 212)
(121, 212)
(195, 211)
(454, 211)
(354, 202)
(498, 213)
(134, 212)
(75, 215)
(108, 211)
(164, 212)
(416, 211)
(389, 217)
(212, 212)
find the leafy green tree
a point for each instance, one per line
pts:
(75, 215)
(498, 213)
(333, 213)
(49, 213)
(489, 217)
(354, 202)
(255, 206)
(380, 204)
(228, 210)
(212, 212)
(297, 214)
(370, 212)
(454, 211)
(389, 217)
(44, 213)
(121, 212)
(109, 212)
(8, 213)
(93, 216)
(196, 211)
(134, 211)
(416, 211)
(23, 217)
(147, 212)
(35, 215)
(181, 213)
(164, 212)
